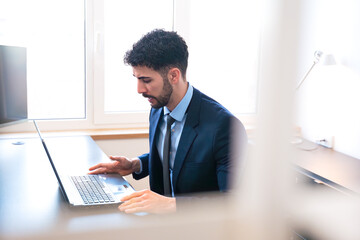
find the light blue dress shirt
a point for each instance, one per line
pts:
(179, 114)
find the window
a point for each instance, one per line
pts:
(123, 23)
(223, 53)
(224, 50)
(55, 53)
(222, 38)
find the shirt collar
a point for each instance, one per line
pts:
(180, 110)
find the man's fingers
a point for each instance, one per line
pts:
(116, 158)
(133, 205)
(133, 195)
(133, 209)
(133, 200)
(96, 166)
(147, 201)
(98, 169)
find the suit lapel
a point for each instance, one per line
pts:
(154, 121)
(188, 135)
(155, 169)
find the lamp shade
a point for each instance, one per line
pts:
(327, 59)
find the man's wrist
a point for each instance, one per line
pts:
(135, 165)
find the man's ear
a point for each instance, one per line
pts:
(174, 75)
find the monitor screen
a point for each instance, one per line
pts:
(13, 85)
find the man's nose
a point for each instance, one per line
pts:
(141, 87)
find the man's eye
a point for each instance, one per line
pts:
(146, 81)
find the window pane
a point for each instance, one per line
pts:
(223, 52)
(124, 24)
(53, 33)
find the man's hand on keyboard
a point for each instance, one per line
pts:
(120, 165)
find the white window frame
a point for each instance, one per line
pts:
(119, 119)
(124, 119)
(69, 124)
(96, 118)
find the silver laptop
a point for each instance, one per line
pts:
(90, 190)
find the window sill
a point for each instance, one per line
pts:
(96, 134)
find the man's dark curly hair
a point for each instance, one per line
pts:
(159, 50)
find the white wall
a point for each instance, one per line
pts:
(328, 101)
(129, 148)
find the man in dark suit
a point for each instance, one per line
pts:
(199, 158)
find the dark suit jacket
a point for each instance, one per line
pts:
(204, 159)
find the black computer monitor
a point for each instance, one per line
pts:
(13, 85)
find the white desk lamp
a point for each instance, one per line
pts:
(323, 59)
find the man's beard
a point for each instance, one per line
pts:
(164, 97)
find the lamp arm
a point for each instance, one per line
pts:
(312, 66)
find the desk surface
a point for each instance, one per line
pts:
(335, 169)
(30, 200)
(32, 205)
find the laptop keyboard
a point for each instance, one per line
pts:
(91, 189)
